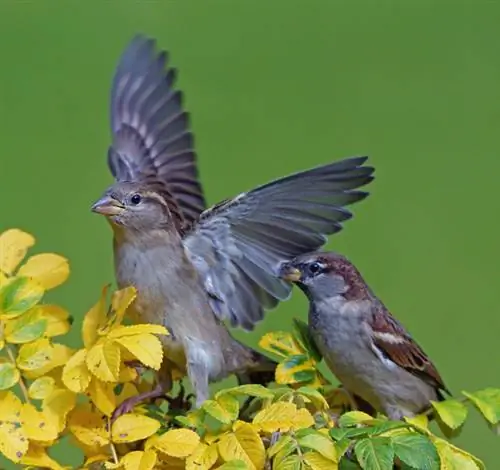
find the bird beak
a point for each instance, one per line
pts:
(289, 273)
(108, 206)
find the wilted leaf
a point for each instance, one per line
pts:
(37, 456)
(375, 453)
(283, 416)
(203, 457)
(76, 375)
(178, 443)
(416, 451)
(88, 427)
(41, 388)
(103, 360)
(58, 319)
(94, 319)
(133, 427)
(225, 408)
(35, 355)
(25, 328)
(14, 244)
(146, 348)
(320, 443)
(245, 444)
(451, 412)
(487, 401)
(18, 296)
(9, 374)
(352, 418)
(36, 424)
(48, 269)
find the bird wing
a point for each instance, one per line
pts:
(394, 342)
(151, 135)
(239, 244)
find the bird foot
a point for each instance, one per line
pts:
(130, 403)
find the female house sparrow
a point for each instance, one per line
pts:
(192, 271)
(369, 351)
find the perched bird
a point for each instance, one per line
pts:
(368, 350)
(195, 268)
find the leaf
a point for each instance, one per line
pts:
(139, 460)
(317, 461)
(451, 412)
(453, 458)
(224, 409)
(282, 416)
(178, 443)
(14, 244)
(416, 451)
(57, 405)
(292, 462)
(58, 320)
(48, 269)
(35, 355)
(120, 301)
(94, 319)
(375, 453)
(13, 441)
(88, 427)
(132, 330)
(103, 360)
(280, 343)
(294, 369)
(37, 456)
(352, 418)
(234, 465)
(285, 444)
(9, 374)
(18, 296)
(420, 422)
(133, 427)
(75, 374)
(102, 395)
(252, 390)
(25, 328)
(36, 424)
(146, 348)
(303, 334)
(321, 444)
(60, 355)
(314, 396)
(41, 388)
(203, 457)
(245, 444)
(487, 401)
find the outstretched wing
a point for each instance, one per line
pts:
(151, 136)
(393, 341)
(239, 244)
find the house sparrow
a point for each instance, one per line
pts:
(194, 268)
(369, 351)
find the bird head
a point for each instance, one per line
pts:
(324, 275)
(135, 206)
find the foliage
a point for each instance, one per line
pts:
(49, 391)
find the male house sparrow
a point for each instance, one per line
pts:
(195, 269)
(369, 351)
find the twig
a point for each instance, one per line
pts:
(111, 445)
(24, 389)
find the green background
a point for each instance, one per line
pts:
(275, 87)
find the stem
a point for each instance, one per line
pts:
(111, 445)
(22, 385)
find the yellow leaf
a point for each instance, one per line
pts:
(225, 408)
(102, 395)
(88, 427)
(38, 457)
(36, 424)
(127, 374)
(244, 443)
(316, 461)
(60, 355)
(421, 422)
(319, 443)
(128, 390)
(239, 465)
(133, 427)
(103, 360)
(120, 301)
(94, 319)
(14, 245)
(18, 295)
(146, 348)
(57, 320)
(139, 460)
(98, 458)
(132, 330)
(281, 343)
(203, 457)
(13, 441)
(453, 458)
(49, 269)
(9, 374)
(283, 416)
(41, 388)
(35, 355)
(76, 375)
(57, 405)
(178, 443)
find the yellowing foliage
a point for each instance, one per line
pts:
(48, 390)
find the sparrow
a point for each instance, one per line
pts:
(196, 268)
(366, 348)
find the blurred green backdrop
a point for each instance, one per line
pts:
(275, 87)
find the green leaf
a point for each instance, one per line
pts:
(252, 390)
(487, 401)
(303, 334)
(352, 418)
(316, 398)
(451, 412)
(416, 450)
(9, 374)
(292, 462)
(320, 443)
(26, 328)
(18, 296)
(234, 465)
(283, 443)
(226, 412)
(375, 453)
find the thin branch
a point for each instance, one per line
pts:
(23, 386)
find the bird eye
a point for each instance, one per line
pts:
(135, 199)
(314, 268)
